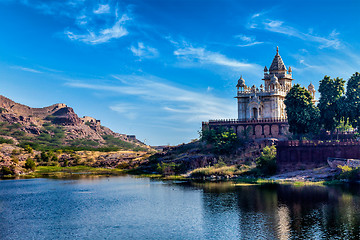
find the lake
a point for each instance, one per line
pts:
(126, 207)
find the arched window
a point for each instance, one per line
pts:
(255, 113)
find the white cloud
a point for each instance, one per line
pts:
(143, 51)
(26, 69)
(281, 27)
(125, 109)
(104, 35)
(96, 23)
(207, 57)
(247, 41)
(245, 38)
(175, 102)
(249, 44)
(102, 8)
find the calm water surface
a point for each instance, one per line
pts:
(140, 208)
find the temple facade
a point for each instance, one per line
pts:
(267, 101)
(261, 109)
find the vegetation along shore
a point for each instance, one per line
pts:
(55, 142)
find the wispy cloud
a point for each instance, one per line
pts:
(175, 103)
(143, 51)
(26, 69)
(126, 109)
(259, 21)
(247, 41)
(93, 23)
(329, 65)
(102, 8)
(102, 36)
(201, 55)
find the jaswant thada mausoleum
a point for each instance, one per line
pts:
(261, 110)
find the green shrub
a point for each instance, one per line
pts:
(266, 163)
(7, 171)
(123, 165)
(217, 171)
(223, 141)
(14, 126)
(84, 142)
(18, 133)
(170, 168)
(348, 173)
(4, 140)
(28, 148)
(45, 156)
(54, 163)
(46, 124)
(113, 141)
(30, 164)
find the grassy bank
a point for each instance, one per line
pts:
(218, 174)
(56, 171)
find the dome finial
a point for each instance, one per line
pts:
(311, 88)
(241, 82)
(277, 49)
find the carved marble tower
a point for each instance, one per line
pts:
(266, 102)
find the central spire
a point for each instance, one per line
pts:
(277, 64)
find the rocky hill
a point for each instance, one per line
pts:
(57, 126)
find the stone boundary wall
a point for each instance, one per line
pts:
(299, 155)
(258, 129)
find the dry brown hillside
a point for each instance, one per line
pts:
(57, 126)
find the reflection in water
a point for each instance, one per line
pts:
(132, 208)
(285, 211)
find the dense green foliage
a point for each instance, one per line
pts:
(30, 164)
(344, 126)
(4, 140)
(28, 149)
(223, 141)
(303, 115)
(332, 102)
(170, 168)
(266, 163)
(353, 100)
(52, 137)
(349, 174)
(112, 141)
(7, 171)
(217, 170)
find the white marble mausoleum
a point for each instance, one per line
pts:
(266, 101)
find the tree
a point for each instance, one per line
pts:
(266, 163)
(28, 148)
(353, 100)
(303, 115)
(30, 164)
(331, 104)
(224, 141)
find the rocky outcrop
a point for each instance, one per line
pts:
(66, 116)
(10, 106)
(83, 132)
(32, 122)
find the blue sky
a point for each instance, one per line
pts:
(156, 69)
